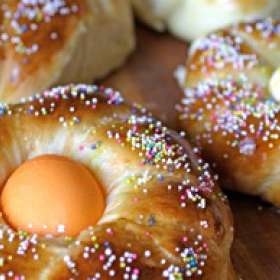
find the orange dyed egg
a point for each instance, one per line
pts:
(52, 195)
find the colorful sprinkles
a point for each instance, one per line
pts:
(27, 17)
(156, 148)
(230, 102)
(220, 50)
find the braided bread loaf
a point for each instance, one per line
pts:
(47, 42)
(230, 106)
(165, 217)
(190, 19)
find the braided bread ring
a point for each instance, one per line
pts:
(230, 106)
(165, 216)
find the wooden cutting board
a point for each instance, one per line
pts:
(147, 78)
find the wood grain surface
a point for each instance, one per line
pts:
(147, 78)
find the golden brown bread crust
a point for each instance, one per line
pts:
(50, 32)
(166, 218)
(228, 108)
(56, 42)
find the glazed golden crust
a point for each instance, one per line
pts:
(56, 42)
(165, 215)
(41, 31)
(229, 110)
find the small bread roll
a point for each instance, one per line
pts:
(189, 19)
(230, 105)
(55, 42)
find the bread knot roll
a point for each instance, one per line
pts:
(231, 106)
(164, 215)
(190, 19)
(49, 42)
